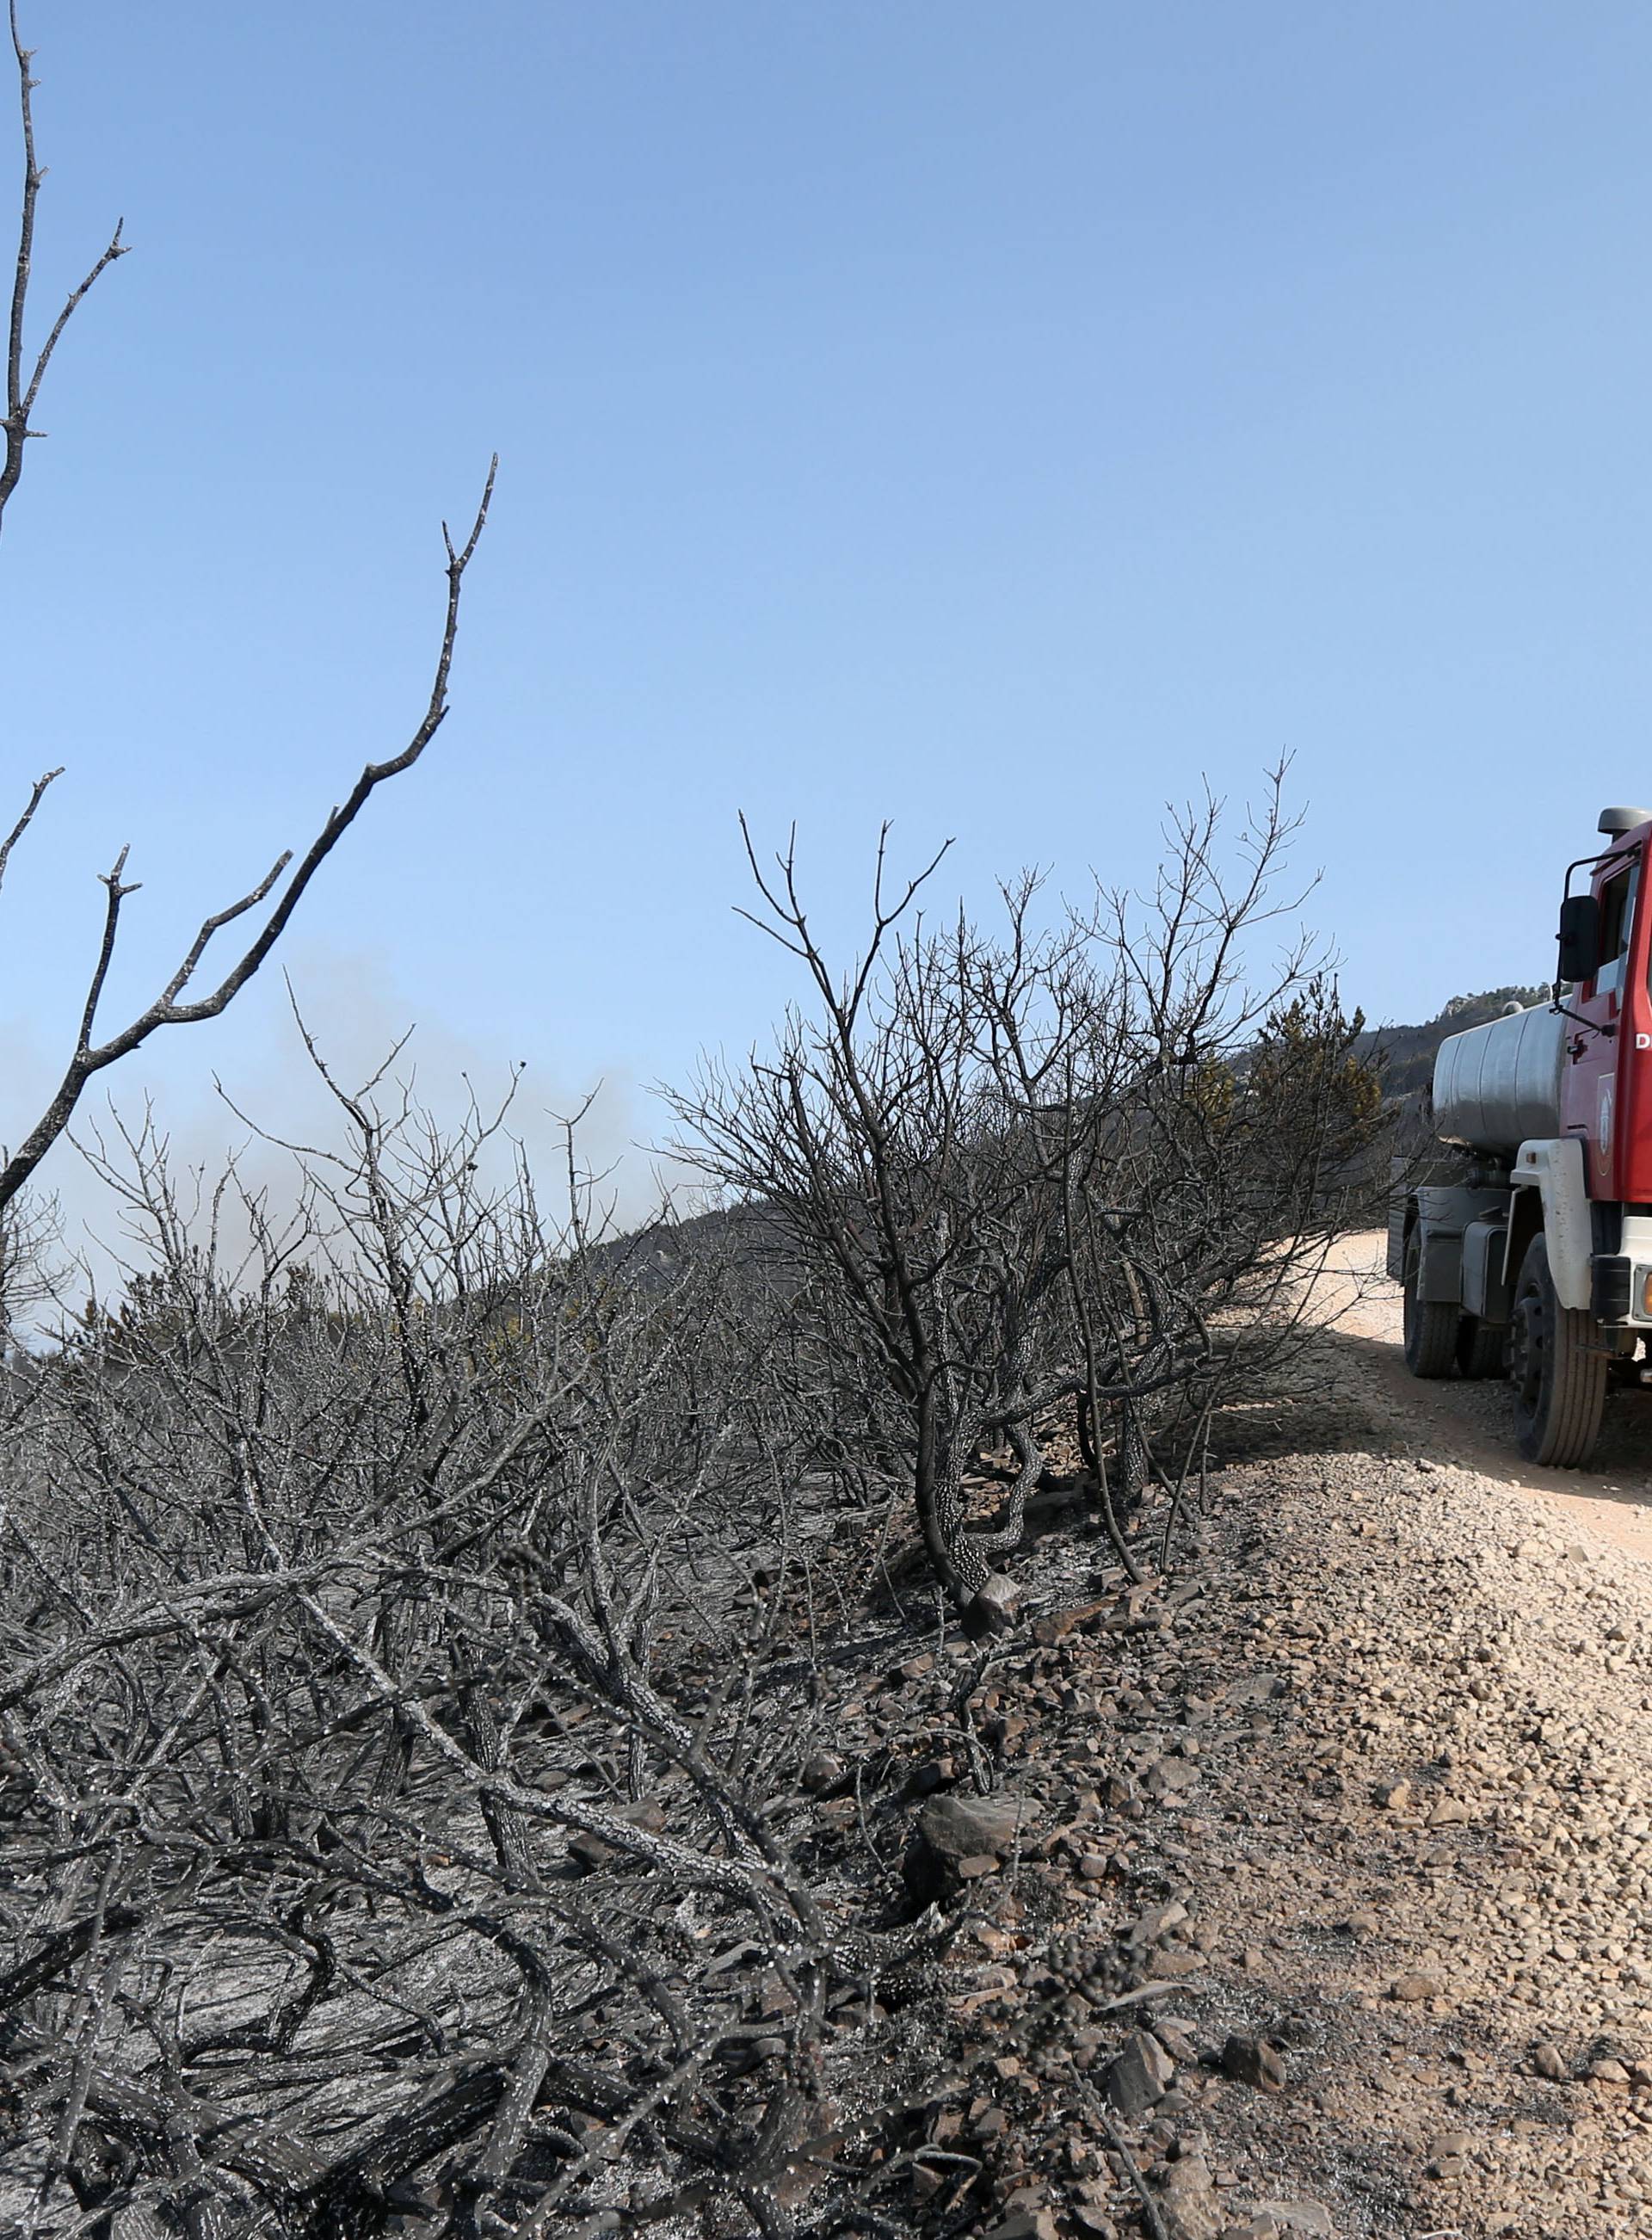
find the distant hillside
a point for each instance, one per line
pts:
(1408, 1052)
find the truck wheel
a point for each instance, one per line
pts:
(1558, 1370)
(1479, 1346)
(1430, 1324)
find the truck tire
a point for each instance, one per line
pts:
(1479, 1346)
(1558, 1367)
(1430, 1324)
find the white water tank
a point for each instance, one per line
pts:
(1496, 1087)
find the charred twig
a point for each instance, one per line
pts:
(22, 382)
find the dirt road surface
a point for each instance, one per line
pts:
(1471, 1425)
(1435, 1868)
(1359, 1807)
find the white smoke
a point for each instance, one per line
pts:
(212, 1096)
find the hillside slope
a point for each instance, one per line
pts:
(1407, 1053)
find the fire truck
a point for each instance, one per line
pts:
(1525, 1246)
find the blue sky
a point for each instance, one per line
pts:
(992, 418)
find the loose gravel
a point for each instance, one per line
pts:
(1330, 1864)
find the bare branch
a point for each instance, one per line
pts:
(167, 1011)
(22, 824)
(21, 395)
(117, 894)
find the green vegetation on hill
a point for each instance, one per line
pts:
(1407, 1053)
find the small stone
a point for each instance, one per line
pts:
(1449, 1813)
(1056, 1625)
(590, 1854)
(996, 1605)
(1157, 1923)
(1140, 2075)
(1093, 2220)
(1188, 2201)
(1393, 1795)
(952, 1828)
(1414, 1988)
(1093, 1866)
(1168, 1776)
(1025, 2224)
(1253, 2061)
(1363, 1925)
(970, 1870)
(1293, 2217)
(1607, 2071)
(823, 1771)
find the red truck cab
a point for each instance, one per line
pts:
(1606, 1078)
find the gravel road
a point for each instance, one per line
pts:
(1470, 1425)
(1372, 1811)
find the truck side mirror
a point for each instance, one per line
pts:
(1579, 938)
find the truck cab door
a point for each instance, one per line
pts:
(1595, 1034)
